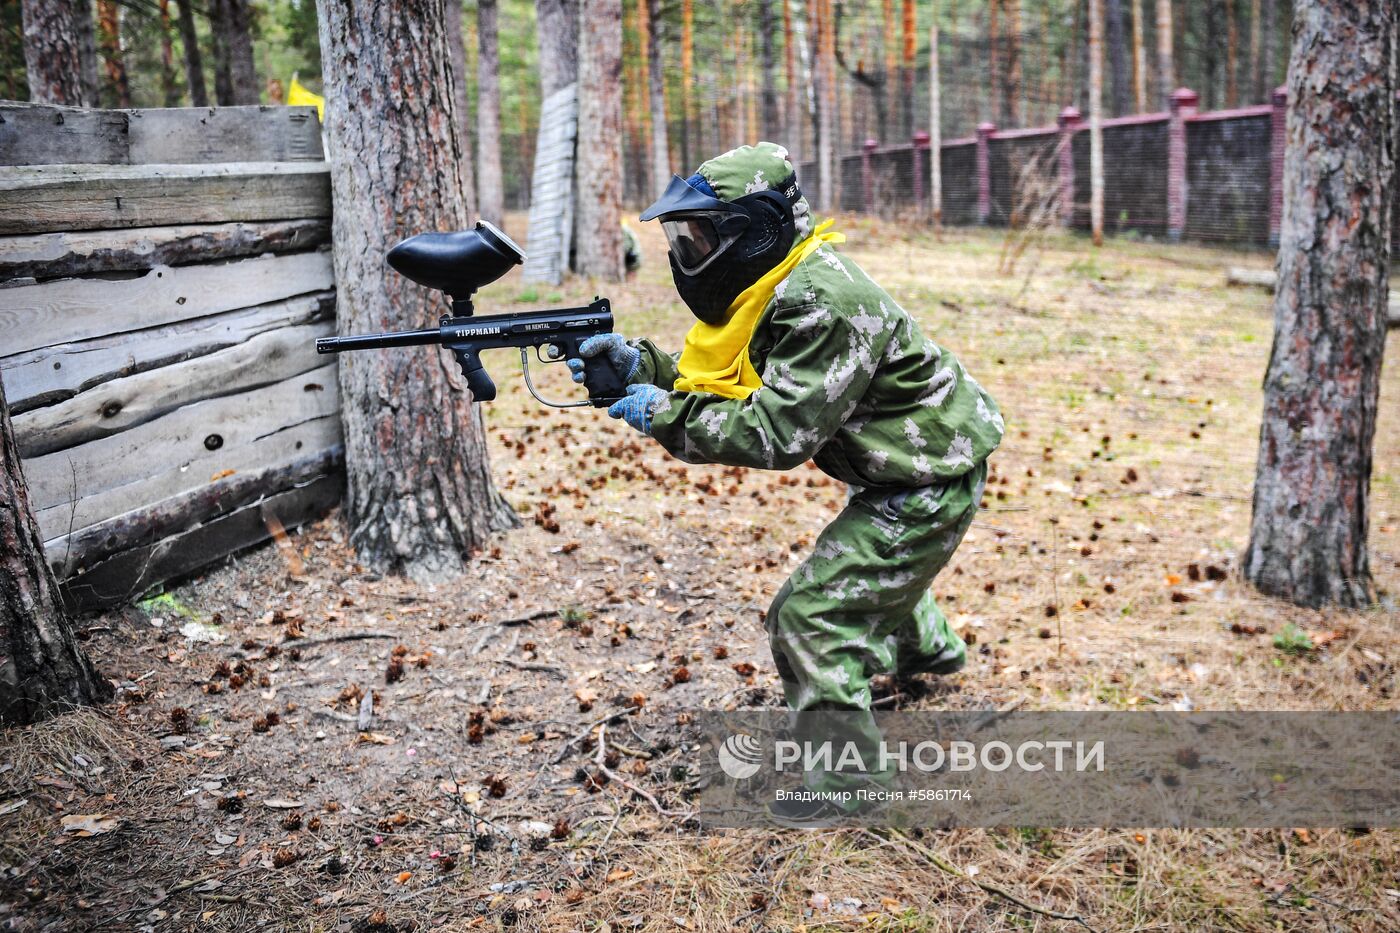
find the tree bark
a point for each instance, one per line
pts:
(791, 118)
(911, 52)
(994, 72)
(824, 71)
(489, 186)
(1270, 51)
(1166, 71)
(420, 495)
(113, 57)
(1139, 60)
(235, 80)
(53, 51)
(935, 120)
(1232, 56)
(598, 172)
(1257, 91)
(42, 669)
(457, 59)
(687, 82)
(661, 169)
(170, 92)
(768, 26)
(1117, 56)
(1096, 120)
(194, 61)
(1307, 539)
(1012, 86)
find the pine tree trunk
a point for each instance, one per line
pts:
(489, 185)
(1232, 57)
(42, 669)
(768, 76)
(1270, 51)
(661, 169)
(825, 74)
(792, 122)
(1117, 56)
(1139, 60)
(598, 172)
(240, 42)
(457, 59)
(194, 61)
(53, 55)
(218, 42)
(170, 92)
(911, 51)
(420, 496)
(994, 73)
(889, 93)
(1012, 88)
(1308, 536)
(688, 159)
(113, 57)
(1166, 71)
(935, 120)
(1257, 92)
(1096, 120)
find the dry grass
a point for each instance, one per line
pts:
(1129, 377)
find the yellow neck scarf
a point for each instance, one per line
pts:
(716, 356)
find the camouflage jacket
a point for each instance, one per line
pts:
(848, 381)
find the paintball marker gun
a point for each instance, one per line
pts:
(460, 263)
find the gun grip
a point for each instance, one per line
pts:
(478, 379)
(604, 383)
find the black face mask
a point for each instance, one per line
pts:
(765, 241)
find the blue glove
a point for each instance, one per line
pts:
(623, 358)
(642, 399)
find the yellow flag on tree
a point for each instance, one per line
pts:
(299, 96)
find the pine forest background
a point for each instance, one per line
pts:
(739, 70)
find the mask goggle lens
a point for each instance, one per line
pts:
(693, 239)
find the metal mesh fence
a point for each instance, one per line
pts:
(1227, 174)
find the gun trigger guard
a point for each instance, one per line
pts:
(525, 367)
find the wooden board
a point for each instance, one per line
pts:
(183, 449)
(71, 554)
(127, 575)
(51, 374)
(35, 134)
(45, 198)
(123, 403)
(51, 313)
(65, 254)
(552, 189)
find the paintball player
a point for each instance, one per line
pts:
(796, 354)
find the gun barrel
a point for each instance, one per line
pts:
(407, 338)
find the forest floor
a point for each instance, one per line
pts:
(234, 786)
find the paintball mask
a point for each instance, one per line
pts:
(719, 248)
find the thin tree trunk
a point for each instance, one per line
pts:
(53, 52)
(1232, 58)
(194, 61)
(557, 24)
(235, 81)
(911, 52)
(1096, 120)
(1139, 60)
(935, 120)
(769, 77)
(1012, 88)
(218, 36)
(1270, 51)
(891, 87)
(661, 170)
(1214, 90)
(825, 74)
(457, 58)
(490, 187)
(42, 669)
(687, 83)
(113, 57)
(995, 112)
(1166, 72)
(170, 91)
(1257, 92)
(1307, 539)
(420, 497)
(1117, 56)
(599, 180)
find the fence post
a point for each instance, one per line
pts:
(920, 147)
(867, 175)
(1183, 104)
(1069, 121)
(1278, 139)
(984, 171)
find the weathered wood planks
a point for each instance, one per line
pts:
(48, 313)
(46, 198)
(127, 575)
(121, 404)
(70, 554)
(32, 134)
(52, 374)
(64, 254)
(186, 448)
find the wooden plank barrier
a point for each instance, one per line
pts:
(164, 275)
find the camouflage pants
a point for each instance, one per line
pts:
(860, 604)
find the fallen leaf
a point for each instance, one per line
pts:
(279, 803)
(90, 824)
(620, 874)
(10, 806)
(375, 738)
